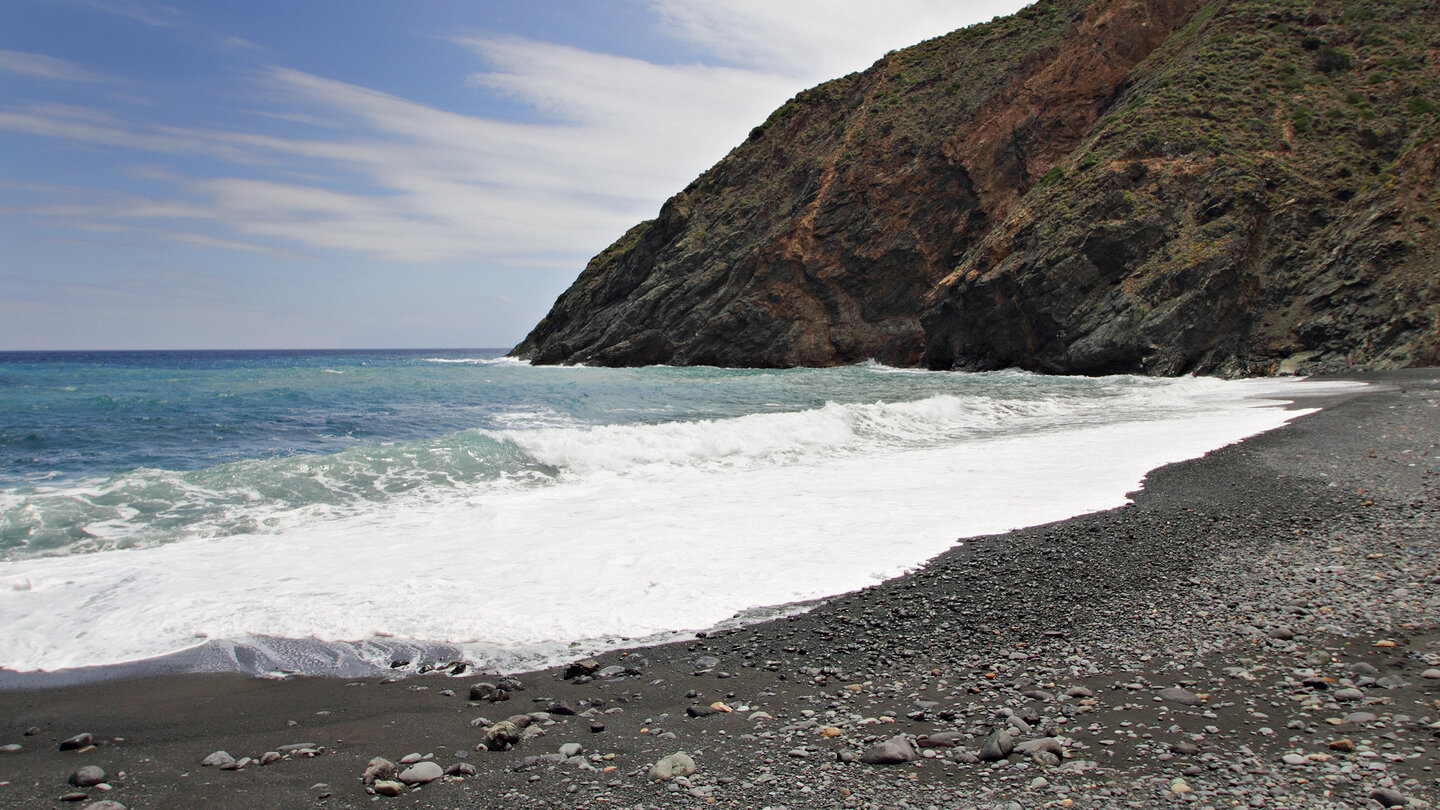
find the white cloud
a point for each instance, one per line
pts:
(155, 15)
(398, 180)
(817, 39)
(454, 186)
(44, 67)
(241, 43)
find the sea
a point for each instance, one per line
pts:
(338, 512)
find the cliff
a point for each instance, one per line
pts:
(1152, 186)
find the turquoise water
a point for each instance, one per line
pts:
(113, 450)
(153, 503)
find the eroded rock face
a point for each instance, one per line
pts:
(1153, 186)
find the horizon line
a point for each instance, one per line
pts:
(271, 349)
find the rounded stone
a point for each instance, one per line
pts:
(421, 773)
(677, 764)
(386, 787)
(77, 742)
(88, 776)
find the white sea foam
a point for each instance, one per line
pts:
(651, 529)
(476, 361)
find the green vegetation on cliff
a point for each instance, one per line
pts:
(1161, 186)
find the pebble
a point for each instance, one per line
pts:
(488, 692)
(585, 668)
(942, 739)
(997, 746)
(380, 769)
(88, 776)
(77, 742)
(421, 773)
(501, 736)
(219, 759)
(677, 764)
(461, 769)
(387, 787)
(893, 751)
(1046, 744)
(1176, 694)
(1387, 797)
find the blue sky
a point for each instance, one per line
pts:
(371, 173)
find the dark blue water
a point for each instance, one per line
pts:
(70, 415)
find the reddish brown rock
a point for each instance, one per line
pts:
(1093, 186)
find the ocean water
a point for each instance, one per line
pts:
(320, 511)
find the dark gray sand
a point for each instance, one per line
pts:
(1261, 628)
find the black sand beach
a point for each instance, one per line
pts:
(1260, 628)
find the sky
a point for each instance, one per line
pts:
(216, 174)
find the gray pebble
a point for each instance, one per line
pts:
(1387, 797)
(77, 742)
(380, 769)
(997, 746)
(894, 751)
(460, 769)
(1176, 694)
(677, 764)
(88, 776)
(420, 773)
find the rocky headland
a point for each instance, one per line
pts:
(1089, 186)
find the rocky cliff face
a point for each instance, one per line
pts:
(1156, 186)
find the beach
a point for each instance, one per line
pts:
(1258, 628)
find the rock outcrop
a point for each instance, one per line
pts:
(1153, 186)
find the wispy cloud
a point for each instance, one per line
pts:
(452, 185)
(815, 39)
(398, 180)
(44, 67)
(88, 125)
(241, 43)
(155, 15)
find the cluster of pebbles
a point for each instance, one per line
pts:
(1258, 629)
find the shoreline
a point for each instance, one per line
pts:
(1182, 588)
(1001, 474)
